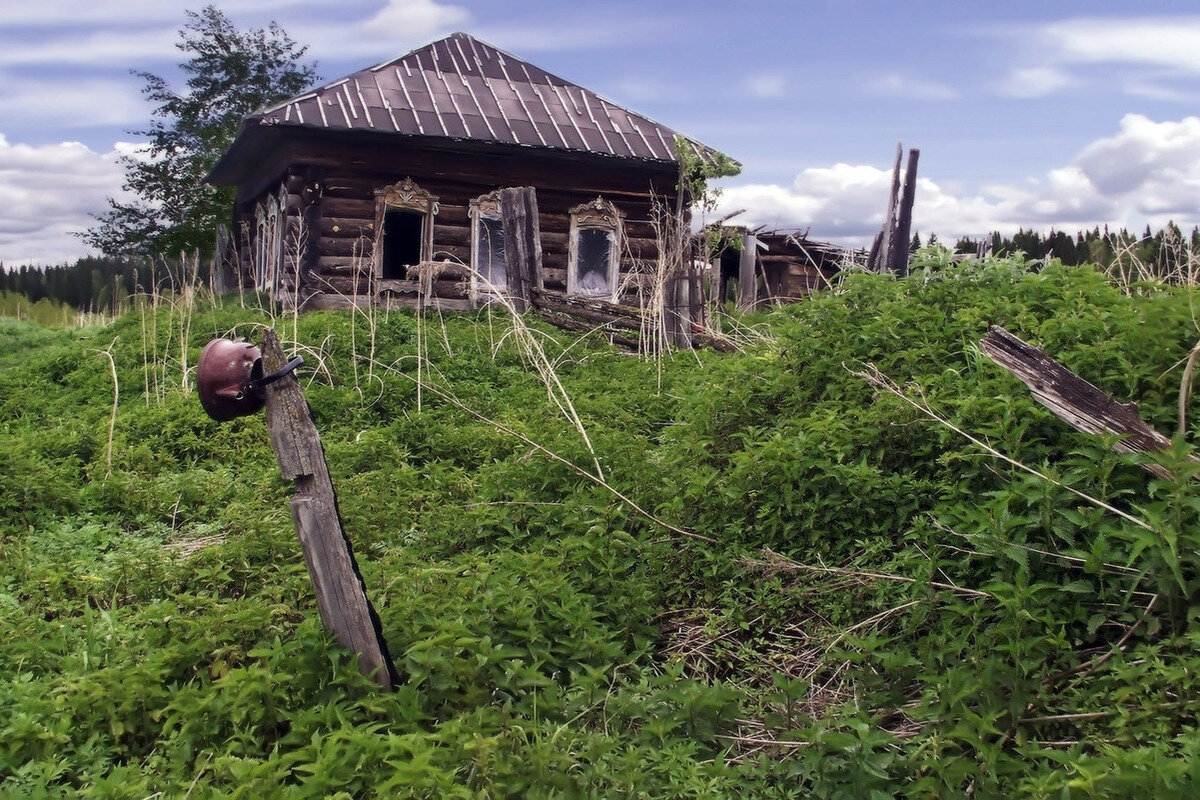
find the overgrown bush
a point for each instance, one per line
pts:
(822, 592)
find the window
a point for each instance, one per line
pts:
(594, 250)
(269, 221)
(488, 270)
(403, 219)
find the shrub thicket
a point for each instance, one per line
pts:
(884, 610)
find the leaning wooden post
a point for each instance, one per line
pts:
(341, 594)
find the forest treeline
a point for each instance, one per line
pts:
(96, 283)
(1097, 246)
(103, 284)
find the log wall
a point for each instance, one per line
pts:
(333, 227)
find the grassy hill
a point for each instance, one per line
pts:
(820, 592)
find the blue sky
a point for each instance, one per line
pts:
(1027, 114)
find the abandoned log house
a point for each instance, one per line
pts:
(386, 186)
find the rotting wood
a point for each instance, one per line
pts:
(883, 254)
(522, 245)
(898, 263)
(1072, 399)
(341, 594)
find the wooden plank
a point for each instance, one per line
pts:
(522, 244)
(341, 594)
(1076, 402)
(747, 297)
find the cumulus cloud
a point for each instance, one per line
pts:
(1146, 173)
(415, 19)
(48, 191)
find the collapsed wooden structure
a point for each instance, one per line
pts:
(458, 173)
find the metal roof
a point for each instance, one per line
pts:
(462, 88)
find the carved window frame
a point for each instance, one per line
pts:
(596, 215)
(270, 218)
(403, 195)
(485, 206)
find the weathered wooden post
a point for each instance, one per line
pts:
(341, 595)
(747, 296)
(522, 244)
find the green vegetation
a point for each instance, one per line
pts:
(883, 610)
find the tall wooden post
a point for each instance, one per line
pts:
(522, 244)
(747, 297)
(341, 594)
(900, 241)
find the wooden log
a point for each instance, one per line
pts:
(347, 226)
(603, 306)
(1076, 402)
(596, 316)
(571, 323)
(522, 245)
(341, 594)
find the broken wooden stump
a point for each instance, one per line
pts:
(341, 594)
(1073, 400)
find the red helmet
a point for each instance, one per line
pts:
(225, 378)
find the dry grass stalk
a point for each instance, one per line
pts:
(529, 344)
(112, 420)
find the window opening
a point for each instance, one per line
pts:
(403, 231)
(489, 253)
(594, 255)
(404, 215)
(593, 260)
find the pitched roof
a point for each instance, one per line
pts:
(462, 88)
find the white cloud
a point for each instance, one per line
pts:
(1151, 53)
(1146, 173)
(766, 84)
(415, 20)
(1163, 41)
(895, 84)
(1035, 82)
(48, 191)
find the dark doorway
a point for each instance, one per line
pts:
(402, 238)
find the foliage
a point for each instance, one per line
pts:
(884, 610)
(230, 74)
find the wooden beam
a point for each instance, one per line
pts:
(341, 594)
(1073, 400)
